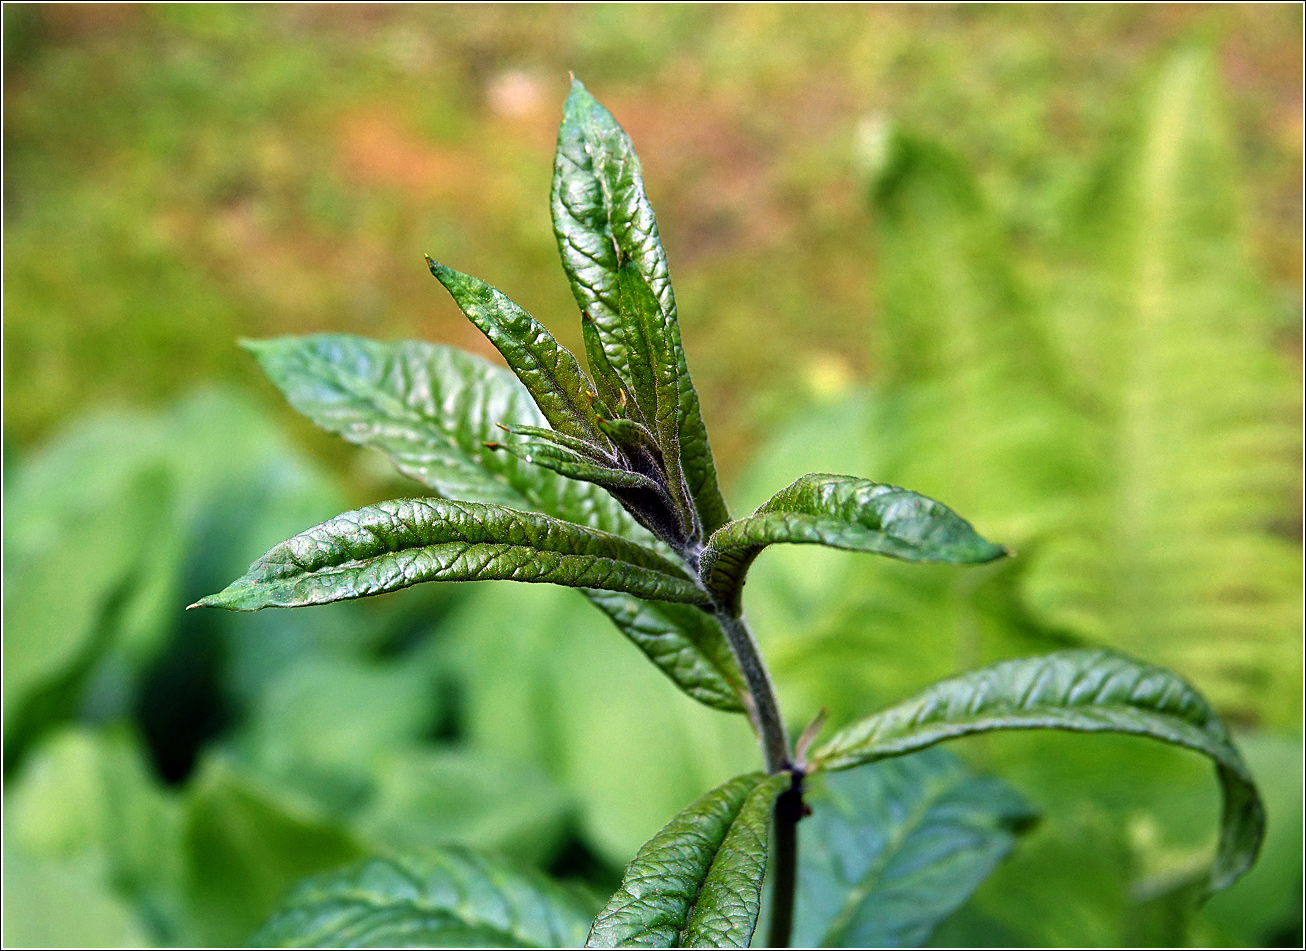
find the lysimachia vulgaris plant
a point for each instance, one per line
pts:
(604, 481)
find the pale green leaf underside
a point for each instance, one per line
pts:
(892, 848)
(1080, 690)
(698, 882)
(431, 410)
(602, 217)
(446, 899)
(404, 542)
(843, 512)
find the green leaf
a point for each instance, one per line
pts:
(575, 466)
(698, 882)
(602, 219)
(396, 544)
(843, 512)
(684, 641)
(1078, 690)
(432, 409)
(449, 899)
(893, 848)
(244, 847)
(548, 371)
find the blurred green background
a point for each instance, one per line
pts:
(1042, 263)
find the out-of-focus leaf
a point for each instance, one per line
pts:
(447, 899)
(64, 599)
(1066, 885)
(602, 219)
(393, 545)
(431, 409)
(843, 512)
(244, 847)
(698, 882)
(54, 904)
(548, 371)
(562, 693)
(318, 727)
(426, 799)
(86, 798)
(893, 848)
(1079, 690)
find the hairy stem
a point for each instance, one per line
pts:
(765, 710)
(771, 733)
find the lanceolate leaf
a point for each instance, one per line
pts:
(431, 409)
(574, 466)
(1081, 690)
(843, 512)
(396, 544)
(548, 371)
(698, 882)
(894, 847)
(602, 218)
(450, 898)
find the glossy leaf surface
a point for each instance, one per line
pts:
(892, 848)
(843, 512)
(602, 218)
(396, 544)
(698, 882)
(448, 899)
(548, 371)
(1080, 690)
(432, 409)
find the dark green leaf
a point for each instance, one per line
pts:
(698, 882)
(843, 512)
(602, 219)
(448, 899)
(575, 466)
(893, 848)
(396, 544)
(431, 409)
(548, 371)
(1080, 690)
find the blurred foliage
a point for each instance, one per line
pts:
(1039, 263)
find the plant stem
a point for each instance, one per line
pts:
(788, 810)
(771, 733)
(766, 711)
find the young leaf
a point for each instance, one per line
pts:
(1081, 690)
(450, 898)
(843, 512)
(602, 219)
(574, 466)
(698, 882)
(548, 371)
(893, 848)
(404, 542)
(431, 410)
